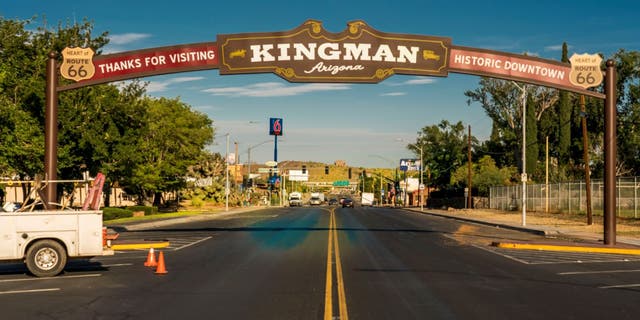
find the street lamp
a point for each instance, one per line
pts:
(523, 91)
(249, 156)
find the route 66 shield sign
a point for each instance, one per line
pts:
(585, 70)
(77, 64)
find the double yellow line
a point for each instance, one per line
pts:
(333, 251)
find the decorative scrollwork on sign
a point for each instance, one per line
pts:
(354, 27)
(286, 72)
(316, 26)
(384, 73)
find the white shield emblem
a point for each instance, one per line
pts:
(77, 64)
(585, 70)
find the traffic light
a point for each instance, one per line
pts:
(349, 173)
(326, 169)
(304, 169)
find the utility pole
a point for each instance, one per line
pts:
(585, 153)
(421, 186)
(227, 189)
(546, 178)
(469, 198)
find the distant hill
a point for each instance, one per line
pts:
(317, 171)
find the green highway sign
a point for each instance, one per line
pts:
(341, 183)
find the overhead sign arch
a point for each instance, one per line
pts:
(359, 54)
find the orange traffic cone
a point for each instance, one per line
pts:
(151, 259)
(161, 268)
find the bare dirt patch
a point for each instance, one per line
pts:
(624, 226)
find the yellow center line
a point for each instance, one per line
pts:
(333, 250)
(342, 299)
(328, 301)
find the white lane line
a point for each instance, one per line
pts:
(621, 286)
(116, 265)
(501, 254)
(29, 291)
(52, 278)
(596, 272)
(193, 243)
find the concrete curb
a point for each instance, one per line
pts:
(491, 224)
(533, 246)
(140, 226)
(545, 247)
(140, 246)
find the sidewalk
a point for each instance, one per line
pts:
(579, 237)
(136, 244)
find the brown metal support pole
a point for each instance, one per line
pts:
(51, 128)
(610, 150)
(469, 198)
(585, 153)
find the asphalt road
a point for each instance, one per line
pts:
(331, 263)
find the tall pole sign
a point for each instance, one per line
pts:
(275, 129)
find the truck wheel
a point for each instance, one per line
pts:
(46, 258)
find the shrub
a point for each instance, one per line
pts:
(197, 202)
(109, 213)
(147, 210)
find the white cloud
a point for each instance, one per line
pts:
(420, 80)
(160, 86)
(126, 38)
(557, 47)
(393, 94)
(275, 89)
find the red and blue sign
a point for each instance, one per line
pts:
(275, 126)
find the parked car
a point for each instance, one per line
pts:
(347, 202)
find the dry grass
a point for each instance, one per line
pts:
(624, 226)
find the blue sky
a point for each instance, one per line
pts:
(367, 125)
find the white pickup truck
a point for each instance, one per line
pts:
(44, 240)
(317, 198)
(295, 199)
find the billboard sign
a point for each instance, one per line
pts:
(297, 175)
(309, 53)
(409, 165)
(275, 126)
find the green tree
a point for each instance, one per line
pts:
(628, 67)
(172, 141)
(485, 175)
(23, 57)
(502, 101)
(444, 148)
(564, 118)
(100, 131)
(532, 150)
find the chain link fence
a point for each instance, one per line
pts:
(569, 197)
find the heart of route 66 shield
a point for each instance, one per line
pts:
(77, 64)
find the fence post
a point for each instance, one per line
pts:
(580, 196)
(559, 198)
(569, 197)
(618, 197)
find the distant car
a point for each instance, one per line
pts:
(333, 202)
(347, 203)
